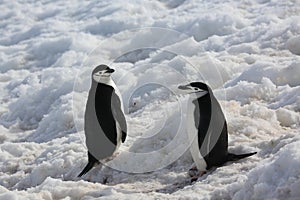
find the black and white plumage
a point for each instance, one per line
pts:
(104, 121)
(207, 128)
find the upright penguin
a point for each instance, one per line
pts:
(104, 121)
(207, 128)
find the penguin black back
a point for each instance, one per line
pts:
(211, 127)
(216, 155)
(104, 121)
(104, 114)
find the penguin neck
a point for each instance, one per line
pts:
(204, 98)
(203, 106)
(109, 83)
(100, 90)
(104, 89)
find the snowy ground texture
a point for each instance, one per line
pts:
(248, 51)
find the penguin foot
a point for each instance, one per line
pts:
(105, 180)
(195, 178)
(193, 171)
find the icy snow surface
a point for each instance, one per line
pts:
(247, 51)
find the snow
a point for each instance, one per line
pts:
(247, 51)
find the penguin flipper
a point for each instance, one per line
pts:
(92, 161)
(124, 135)
(119, 115)
(234, 157)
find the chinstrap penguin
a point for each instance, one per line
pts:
(207, 128)
(104, 121)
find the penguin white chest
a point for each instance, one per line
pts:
(193, 137)
(118, 127)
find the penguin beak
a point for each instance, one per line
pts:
(188, 89)
(109, 71)
(184, 87)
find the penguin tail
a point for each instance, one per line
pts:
(92, 161)
(234, 157)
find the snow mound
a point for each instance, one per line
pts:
(277, 178)
(293, 45)
(247, 51)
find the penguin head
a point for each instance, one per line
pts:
(198, 89)
(102, 74)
